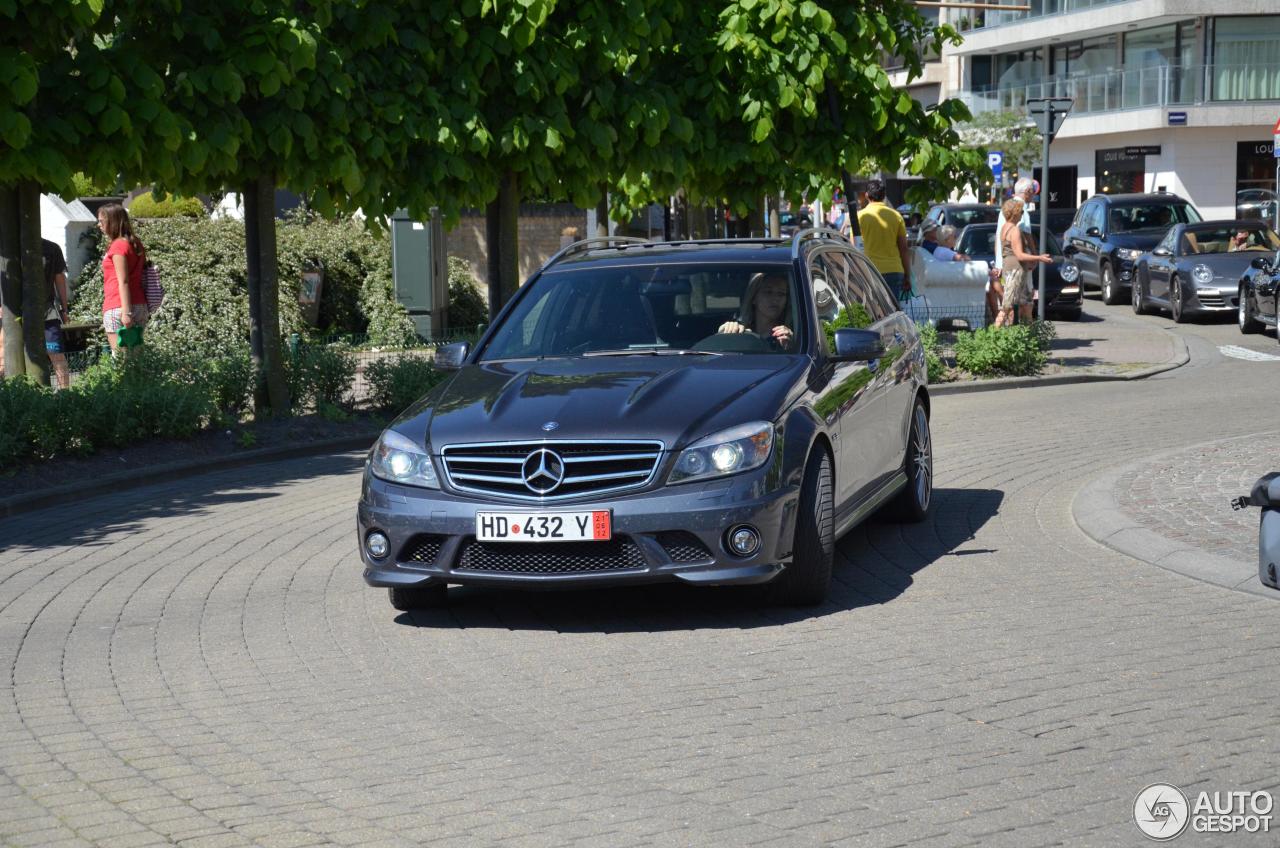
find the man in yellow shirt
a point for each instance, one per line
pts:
(884, 239)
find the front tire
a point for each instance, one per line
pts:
(410, 598)
(1175, 301)
(1110, 290)
(912, 503)
(1139, 296)
(805, 581)
(1244, 315)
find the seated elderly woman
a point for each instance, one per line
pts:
(946, 250)
(765, 310)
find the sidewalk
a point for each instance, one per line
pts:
(1102, 346)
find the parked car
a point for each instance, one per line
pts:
(961, 215)
(793, 222)
(1198, 269)
(1259, 297)
(1064, 298)
(619, 424)
(1110, 232)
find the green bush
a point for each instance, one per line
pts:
(467, 307)
(114, 404)
(389, 324)
(320, 375)
(395, 384)
(1000, 351)
(936, 368)
(146, 206)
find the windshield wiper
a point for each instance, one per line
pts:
(652, 351)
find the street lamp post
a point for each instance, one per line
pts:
(1048, 113)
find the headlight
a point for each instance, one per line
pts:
(398, 460)
(1128, 253)
(727, 452)
(1069, 272)
(1202, 274)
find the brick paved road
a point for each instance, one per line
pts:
(201, 664)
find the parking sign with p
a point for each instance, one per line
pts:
(995, 161)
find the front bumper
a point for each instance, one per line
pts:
(1209, 301)
(673, 533)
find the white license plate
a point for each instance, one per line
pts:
(593, 526)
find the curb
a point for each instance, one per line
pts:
(29, 501)
(1096, 513)
(998, 383)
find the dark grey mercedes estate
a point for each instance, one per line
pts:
(706, 412)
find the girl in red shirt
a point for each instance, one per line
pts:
(123, 302)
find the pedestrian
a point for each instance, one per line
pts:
(884, 239)
(946, 249)
(1025, 189)
(124, 305)
(1018, 260)
(55, 279)
(929, 236)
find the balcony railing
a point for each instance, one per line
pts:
(1138, 88)
(1039, 9)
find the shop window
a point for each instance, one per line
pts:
(1117, 172)
(1256, 180)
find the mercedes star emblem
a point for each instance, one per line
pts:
(543, 471)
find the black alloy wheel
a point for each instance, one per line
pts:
(805, 581)
(1139, 295)
(409, 598)
(1175, 301)
(912, 503)
(1244, 314)
(1110, 291)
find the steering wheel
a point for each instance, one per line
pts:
(735, 343)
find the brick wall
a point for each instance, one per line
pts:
(540, 227)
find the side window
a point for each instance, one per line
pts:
(826, 276)
(867, 287)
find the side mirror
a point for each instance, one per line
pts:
(1093, 232)
(451, 357)
(857, 345)
(1161, 251)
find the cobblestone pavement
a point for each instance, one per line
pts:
(1186, 495)
(199, 663)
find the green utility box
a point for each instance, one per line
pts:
(420, 268)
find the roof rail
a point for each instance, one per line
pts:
(815, 233)
(589, 243)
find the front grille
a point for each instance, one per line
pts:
(683, 547)
(1210, 299)
(424, 548)
(617, 554)
(588, 468)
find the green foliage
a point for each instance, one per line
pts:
(397, 383)
(319, 375)
(115, 404)
(1012, 133)
(467, 307)
(246, 439)
(146, 206)
(389, 323)
(1000, 351)
(1044, 332)
(936, 368)
(85, 186)
(855, 315)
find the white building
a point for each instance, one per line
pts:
(1175, 95)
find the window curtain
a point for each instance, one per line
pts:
(1246, 58)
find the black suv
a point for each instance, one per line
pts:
(697, 412)
(1110, 232)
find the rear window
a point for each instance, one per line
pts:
(1156, 216)
(960, 218)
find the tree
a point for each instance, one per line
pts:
(1013, 134)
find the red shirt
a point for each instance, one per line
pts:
(110, 286)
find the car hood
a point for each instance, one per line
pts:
(673, 398)
(1227, 268)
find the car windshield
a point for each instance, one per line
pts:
(1155, 216)
(1229, 239)
(964, 217)
(652, 310)
(981, 241)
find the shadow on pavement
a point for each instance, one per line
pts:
(87, 522)
(874, 564)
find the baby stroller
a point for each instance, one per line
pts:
(1266, 494)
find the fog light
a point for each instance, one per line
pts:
(376, 544)
(744, 540)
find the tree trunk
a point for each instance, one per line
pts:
(15, 364)
(269, 297)
(502, 235)
(602, 213)
(35, 294)
(253, 267)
